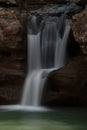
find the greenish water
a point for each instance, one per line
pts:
(60, 119)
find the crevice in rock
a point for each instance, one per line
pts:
(8, 4)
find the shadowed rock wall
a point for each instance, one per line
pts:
(68, 86)
(12, 55)
(65, 86)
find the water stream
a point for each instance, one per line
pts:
(46, 51)
(48, 35)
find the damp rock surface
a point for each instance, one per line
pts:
(68, 85)
(12, 55)
(79, 27)
(10, 28)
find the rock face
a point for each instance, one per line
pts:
(68, 86)
(12, 56)
(79, 27)
(8, 3)
(35, 4)
(42, 1)
(10, 28)
(38, 3)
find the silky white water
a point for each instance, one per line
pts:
(47, 41)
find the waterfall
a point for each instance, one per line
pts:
(47, 41)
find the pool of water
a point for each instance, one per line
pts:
(60, 119)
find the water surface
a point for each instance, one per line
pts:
(60, 119)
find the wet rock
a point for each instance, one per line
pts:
(68, 85)
(65, 85)
(12, 55)
(43, 1)
(79, 27)
(8, 3)
(82, 3)
(35, 4)
(11, 83)
(10, 28)
(12, 74)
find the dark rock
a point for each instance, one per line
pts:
(79, 27)
(68, 85)
(8, 3)
(82, 3)
(11, 84)
(12, 55)
(10, 28)
(35, 4)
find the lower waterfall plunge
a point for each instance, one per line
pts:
(47, 41)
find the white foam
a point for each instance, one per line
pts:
(23, 108)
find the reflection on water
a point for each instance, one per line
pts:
(60, 119)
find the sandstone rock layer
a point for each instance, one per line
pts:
(12, 56)
(68, 86)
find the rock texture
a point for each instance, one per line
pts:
(8, 3)
(68, 86)
(12, 55)
(79, 27)
(35, 4)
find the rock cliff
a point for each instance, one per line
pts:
(12, 55)
(67, 86)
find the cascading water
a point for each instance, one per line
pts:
(47, 41)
